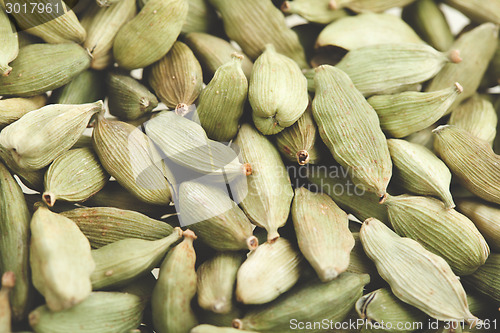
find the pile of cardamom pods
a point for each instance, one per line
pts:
(205, 166)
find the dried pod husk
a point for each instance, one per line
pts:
(12, 109)
(419, 171)
(254, 24)
(9, 42)
(361, 6)
(471, 160)
(477, 116)
(201, 17)
(475, 49)
(14, 243)
(176, 78)
(7, 285)
(309, 302)
(270, 193)
(353, 32)
(102, 25)
(486, 279)
(416, 276)
(74, 176)
(103, 312)
(215, 217)
(86, 87)
(32, 179)
(314, 11)
(277, 92)
(42, 67)
(269, 271)
(477, 10)
(127, 154)
(123, 261)
(175, 288)
(148, 36)
(486, 217)
(216, 281)
(205, 328)
(213, 52)
(442, 231)
(222, 102)
(106, 225)
(408, 112)
(427, 19)
(381, 306)
(349, 126)
(60, 259)
(323, 234)
(359, 262)
(40, 136)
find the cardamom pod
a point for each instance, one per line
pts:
(32, 179)
(12, 109)
(314, 11)
(361, 6)
(86, 87)
(423, 137)
(201, 17)
(477, 10)
(486, 279)
(9, 42)
(8, 284)
(359, 262)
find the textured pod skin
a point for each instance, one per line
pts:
(106, 225)
(486, 279)
(102, 25)
(409, 112)
(427, 19)
(40, 136)
(177, 77)
(360, 6)
(215, 217)
(349, 126)
(60, 258)
(9, 42)
(126, 260)
(175, 288)
(269, 271)
(477, 10)
(323, 234)
(215, 329)
(476, 48)
(312, 10)
(201, 17)
(270, 194)
(33, 179)
(222, 102)
(486, 217)
(103, 312)
(128, 99)
(359, 262)
(14, 243)
(277, 92)
(125, 153)
(213, 52)
(313, 301)
(86, 87)
(254, 24)
(148, 36)
(471, 160)
(12, 109)
(391, 68)
(419, 171)
(216, 281)
(42, 67)
(415, 275)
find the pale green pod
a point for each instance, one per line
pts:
(8, 284)
(126, 260)
(471, 160)
(442, 231)
(270, 193)
(477, 10)
(269, 271)
(254, 24)
(309, 302)
(408, 112)
(277, 92)
(475, 50)
(323, 235)
(33, 179)
(222, 102)
(361, 6)
(419, 171)
(349, 126)
(215, 217)
(148, 36)
(40, 136)
(486, 279)
(486, 217)
(216, 281)
(353, 32)
(423, 137)
(39, 68)
(204, 328)
(86, 87)
(359, 262)
(101, 312)
(477, 116)
(172, 295)
(74, 176)
(313, 10)
(415, 275)
(60, 259)
(12, 109)
(201, 17)
(427, 19)
(9, 42)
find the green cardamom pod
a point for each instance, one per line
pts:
(32, 179)
(477, 10)
(12, 109)
(361, 6)
(8, 284)
(86, 87)
(201, 17)
(9, 42)
(359, 262)
(486, 279)
(215, 329)
(314, 11)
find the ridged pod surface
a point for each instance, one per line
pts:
(86, 87)
(12, 109)
(320, 12)
(201, 17)
(477, 10)
(486, 279)
(360, 6)
(9, 42)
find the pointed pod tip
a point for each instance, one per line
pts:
(455, 56)
(5, 70)
(303, 157)
(237, 323)
(247, 169)
(329, 274)
(440, 128)
(459, 87)
(8, 280)
(285, 7)
(383, 198)
(332, 5)
(272, 236)
(252, 243)
(178, 231)
(49, 198)
(189, 234)
(237, 56)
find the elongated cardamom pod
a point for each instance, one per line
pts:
(201, 17)
(314, 11)
(350, 128)
(486, 279)
(359, 262)
(415, 275)
(478, 11)
(40, 136)
(361, 6)
(9, 42)
(12, 109)
(86, 87)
